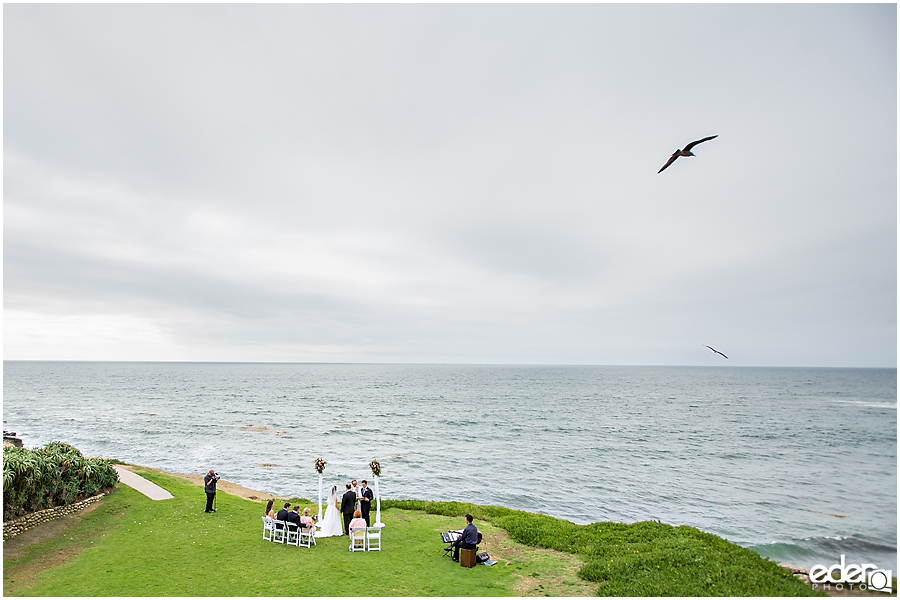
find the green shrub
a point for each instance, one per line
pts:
(648, 558)
(54, 475)
(449, 509)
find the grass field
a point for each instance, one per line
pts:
(132, 546)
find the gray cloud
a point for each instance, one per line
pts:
(462, 183)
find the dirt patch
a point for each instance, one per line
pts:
(24, 575)
(566, 582)
(13, 546)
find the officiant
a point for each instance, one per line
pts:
(365, 501)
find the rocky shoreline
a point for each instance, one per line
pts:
(10, 439)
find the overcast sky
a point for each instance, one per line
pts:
(451, 183)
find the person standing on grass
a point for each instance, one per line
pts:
(355, 491)
(331, 522)
(209, 484)
(365, 501)
(348, 507)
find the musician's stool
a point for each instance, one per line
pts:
(467, 557)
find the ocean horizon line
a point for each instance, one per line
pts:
(440, 364)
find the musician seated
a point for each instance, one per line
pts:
(468, 540)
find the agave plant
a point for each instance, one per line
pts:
(60, 448)
(53, 475)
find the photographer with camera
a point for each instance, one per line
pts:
(209, 484)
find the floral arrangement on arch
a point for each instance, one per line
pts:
(376, 468)
(320, 465)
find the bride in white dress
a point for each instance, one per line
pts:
(331, 523)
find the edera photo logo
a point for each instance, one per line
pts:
(859, 577)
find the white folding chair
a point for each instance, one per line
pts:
(373, 538)
(307, 537)
(357, 539)
(268, 528)
(280, 533)
(293, 535)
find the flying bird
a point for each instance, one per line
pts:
(685, 152)
(713, 349)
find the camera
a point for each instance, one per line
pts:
(879, 580)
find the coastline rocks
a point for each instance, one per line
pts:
(798, 572)
(9, 437)
(14, 528)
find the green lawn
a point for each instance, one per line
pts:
(133, 546)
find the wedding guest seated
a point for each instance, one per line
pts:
(306, 520)
(357, 521)
(283, 514)
(294, 518)
(269, 512)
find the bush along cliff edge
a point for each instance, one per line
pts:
(55, 475)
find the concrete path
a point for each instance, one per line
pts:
(148, 488)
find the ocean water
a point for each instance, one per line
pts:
(798, 464)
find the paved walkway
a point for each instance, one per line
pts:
(148, 488)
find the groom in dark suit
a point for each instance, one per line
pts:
(365, 501)
(348, 505)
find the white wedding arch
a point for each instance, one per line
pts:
(377, 522)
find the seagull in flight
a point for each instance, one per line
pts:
(685, 152)
(713, 349)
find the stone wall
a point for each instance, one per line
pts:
(22, 524)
